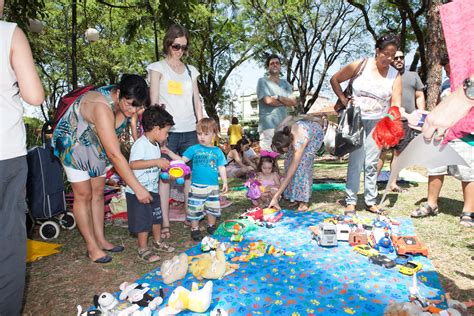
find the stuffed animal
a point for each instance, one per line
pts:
(138, 294)
(178, 170)
(174, 269)
(95, 312)
(195, 300)
(212, 265)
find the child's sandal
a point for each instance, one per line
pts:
(165, 232)
(147, 256)
(467, 219)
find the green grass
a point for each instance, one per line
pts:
(56, 284)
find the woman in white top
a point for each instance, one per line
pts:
(19, 80)
(377, 88)
(174, 84)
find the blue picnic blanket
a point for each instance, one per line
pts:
(316, 281)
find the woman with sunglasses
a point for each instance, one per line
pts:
(85, 141)
(174, 84)
(376, 89)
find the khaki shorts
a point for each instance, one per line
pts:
(463, 173)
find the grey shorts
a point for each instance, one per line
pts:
(463, 173)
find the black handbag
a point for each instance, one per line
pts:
(350, 132)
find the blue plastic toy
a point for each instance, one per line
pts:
(385, 244)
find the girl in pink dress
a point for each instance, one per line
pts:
(267, 175)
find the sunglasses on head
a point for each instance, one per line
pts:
(399, 58)
(177, 47)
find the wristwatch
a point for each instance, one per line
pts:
(468, 86)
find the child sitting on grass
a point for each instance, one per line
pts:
(208, 162)
(269, 179)
(146, 162)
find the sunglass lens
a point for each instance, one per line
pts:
(179, 46)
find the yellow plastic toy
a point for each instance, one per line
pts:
(212, 265)
(182, 299)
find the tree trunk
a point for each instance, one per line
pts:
(434, 42)
(74, 43)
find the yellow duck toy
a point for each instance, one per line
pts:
(212, 265)
(183, 299)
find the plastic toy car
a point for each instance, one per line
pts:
(410, 244)
(403, 259)
(365, 250)
(382, 260)
(324, 234)
(410, 267)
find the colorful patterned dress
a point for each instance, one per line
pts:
(299, 189)
(76, 142)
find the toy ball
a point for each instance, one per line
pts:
(178, 170)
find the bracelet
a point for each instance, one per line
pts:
(390, 116)
(278, 98)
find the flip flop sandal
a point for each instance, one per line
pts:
(397, 189)
(467, 219)
(350, 210)
(374, 209)
(147, 256)
(165, 232)
(424, 210)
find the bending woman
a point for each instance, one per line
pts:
(85, 140)
(301, 139)
(377, 88)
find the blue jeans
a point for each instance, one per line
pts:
(13, 174)
(179, 142)
(364, 158)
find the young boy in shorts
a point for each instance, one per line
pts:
(208, 163)
(146, 162)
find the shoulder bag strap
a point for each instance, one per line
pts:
(192, 95)
(358, 71)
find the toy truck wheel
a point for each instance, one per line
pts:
(67, 221)
(49, 230)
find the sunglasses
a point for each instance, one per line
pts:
(178, 47)
(399, 58)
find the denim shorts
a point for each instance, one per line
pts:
(179, 142)
(141, 217)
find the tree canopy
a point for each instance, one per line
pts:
(313, 37)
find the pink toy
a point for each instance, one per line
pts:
(178, 170)
(254, 186)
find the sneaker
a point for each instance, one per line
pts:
(162, 245)
(211, 229)
(196, 234)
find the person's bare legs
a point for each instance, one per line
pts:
(393, 185)
(468, 194)
(381, 161)
(97, 204)
(143, 239)
(211, 220)
(82, 208)
(164, 189)
(435, 183)
(156, 231)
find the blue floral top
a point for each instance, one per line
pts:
(76, 142)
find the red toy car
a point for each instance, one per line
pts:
(411, 245)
